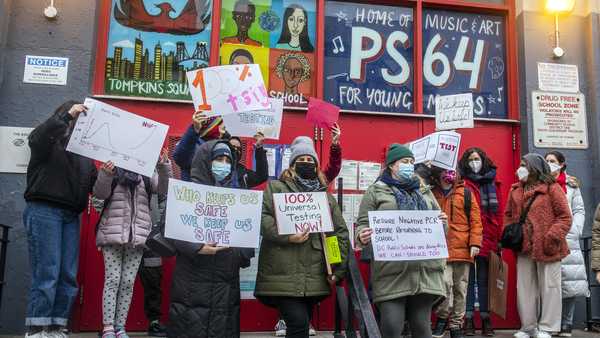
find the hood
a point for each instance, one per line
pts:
(201, 171)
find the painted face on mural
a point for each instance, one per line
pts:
(292, 72)
(296, 22)
(241, 57)
(293, 69)
(244, 15)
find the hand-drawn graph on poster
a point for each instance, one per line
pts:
(369, 57)
(153, 43)
(463, 53)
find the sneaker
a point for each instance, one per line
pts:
(39, 334)
(312, 331)
(542, 334)
(469, 327)
(522, 334)
(440, 328)
(565, 331)
(486, 327)
(456, 333)
(156, 329)
(57, 334)
(280, 328)
(120, 332)
(108, 334)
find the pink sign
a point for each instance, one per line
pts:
(321, 113)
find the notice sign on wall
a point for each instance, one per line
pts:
(46, 70)
(298, 212)
(407, 235)
(559, 120)
(15, 149)
(556, 77)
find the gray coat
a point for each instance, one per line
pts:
(574, 277)
(125, 222)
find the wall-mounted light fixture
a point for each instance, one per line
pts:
(50, 12)
(558, 7)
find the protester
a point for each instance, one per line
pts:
(291, 268)
(151, 273)
(406, 289)
(544, 245)
(58, 185)
(205, 291)
(573, 274)
(247, 178)
(479, 173)
(201, 130)
(464, 238)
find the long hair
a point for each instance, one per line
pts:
(286, 36)
(486, 162)
(290, 175)
(241, 52)
(539, 176)
(560, 157)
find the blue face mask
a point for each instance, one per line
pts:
(406, 170)
(220, 170)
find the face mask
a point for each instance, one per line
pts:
(554, 167)
(475, 166)
(306, 170)
(220, 170)
(522, 173)
(449, 176)
(406, 170)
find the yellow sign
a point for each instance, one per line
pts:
(332, 249)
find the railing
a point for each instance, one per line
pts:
(587, 250)
(3, 249)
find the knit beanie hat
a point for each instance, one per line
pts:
(302, 146)
(538, 162)
(221, 149)
(396, 152)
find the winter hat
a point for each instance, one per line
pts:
(210, 128)
(396, 152)
(538, 162)
(302, 146)
(221, 149)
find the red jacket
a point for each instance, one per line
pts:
(548, 221)
(335, 163)
(492, 222)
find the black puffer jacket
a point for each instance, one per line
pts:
(55, 175)
(205, 295)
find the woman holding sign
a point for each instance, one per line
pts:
(402, 289)
(293, 272)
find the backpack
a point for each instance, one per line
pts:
(113, 185)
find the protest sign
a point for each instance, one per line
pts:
(332, 250)
(407, 235)
(297, 212)
(228, 89)
(107, 133)
(247, 124)
(440, 148)
(206, 214)
(454, 112)
(321, 113)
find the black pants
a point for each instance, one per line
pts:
(416, 309)
(297, 313)
(151, 278)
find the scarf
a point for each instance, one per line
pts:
(487, 190)
(562, 181)
(406, 192)
(309, 185)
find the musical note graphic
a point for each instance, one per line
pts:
(338, 48)
(500, 90)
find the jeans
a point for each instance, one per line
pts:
(483, 268)
(417, 309)
(568, 310)
(53, 238)
(297, 313)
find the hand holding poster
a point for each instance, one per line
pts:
(107, 133)
(407, 235)
(297, 212)
(440, 148)
(228, 89)
(247, 124)
(454, 112)
(206, 214)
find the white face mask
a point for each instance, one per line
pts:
(554, 167)
(522, 173)
(475, 166)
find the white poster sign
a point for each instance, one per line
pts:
(46, 70)
(441, 148)
(407, 235)
(298, 212)
(206, 214)
(559, 120)
(247, 124)
(349, 175)
(230, 89)
(454, 111)
(107, 133)
(15, 149)
(368, 172)
(555, 77)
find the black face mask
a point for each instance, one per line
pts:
(306, 170)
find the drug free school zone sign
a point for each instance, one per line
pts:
(298, 212)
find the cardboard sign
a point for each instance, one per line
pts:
(440, 148)
(247, 124)
(454, 112)
(321, 113)
(407, 235)
(107, 133)
(228, 89)
(332, 249)
(297, 212)
(206, 214)
(559, 120)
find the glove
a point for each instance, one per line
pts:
(474, 251)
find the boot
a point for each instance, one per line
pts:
(456, 333)
(440, 328)
(486, 327)
(469, 327)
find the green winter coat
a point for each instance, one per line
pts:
(295, 270)
(392, 280)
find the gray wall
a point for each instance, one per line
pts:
(71, 35)
(579, 38)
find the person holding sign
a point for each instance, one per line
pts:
(205, 293)
(539, 206)
(58, 185)
(402, 289)
(464, 242)
(293, 272)
(249, 179)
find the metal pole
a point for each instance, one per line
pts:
(338, 311)
(3, 249)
